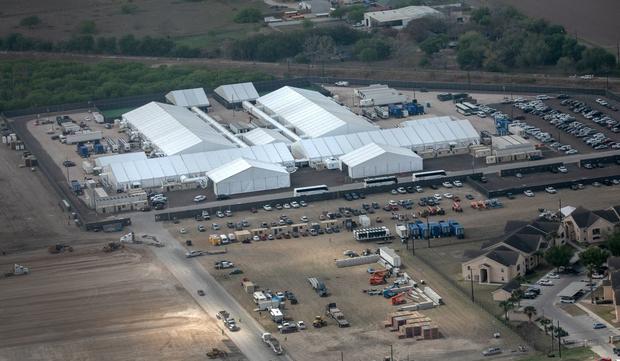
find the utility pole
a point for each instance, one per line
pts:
(471, 281)
(428, 233)
(391, 353)
(412, 245)
(552, 343)
(559, 340)
(341, 356)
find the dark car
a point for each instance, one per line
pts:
(510, 196)
(434, 186)
(68, 163)
(222, 197)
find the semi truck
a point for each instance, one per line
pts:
(334, 312)
(318, 286)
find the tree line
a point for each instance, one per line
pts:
(33, 83)
(87, 43)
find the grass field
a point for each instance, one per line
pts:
(575, 354)
(116, 113)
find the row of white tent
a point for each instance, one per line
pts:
(418, 135)
(154, 172)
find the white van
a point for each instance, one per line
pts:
(224, 239)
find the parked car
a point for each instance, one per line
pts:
(529, 193)
(201, 293)
(491, 351)
(200, 198)
(598, 325)
(551, 190)
(447, 184)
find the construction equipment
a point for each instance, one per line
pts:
(319, 322)
(334, 312)
(112, 246)
(58, 248)
(399, 299)
(18, 270)
(379, 277)
(216, 353)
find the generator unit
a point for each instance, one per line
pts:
(372, 234)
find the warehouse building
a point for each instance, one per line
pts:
(261, 136)
(246, 175)
(375, 159)
(172, 129)
(398, 18)
(311, 114)
(189, 98)
(379, 94)
(187, 170)
(232, 95)
(427, 137)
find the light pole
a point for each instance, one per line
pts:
(471, 281)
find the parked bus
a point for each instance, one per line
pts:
(473, 108)
(306, 191)
(380, 181)
(433, 174)
(462, 109)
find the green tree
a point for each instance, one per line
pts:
(596, 60)
(506, 306)
(248, 15)
(87, 27)
(434, 43)
(530, 312)
(593, 258)
(356, 14)
(307, 24)
(339, 12)
(613, 244)
(559, 256)
(516, 296)
(319, 48)
(481, 16)
(30, 21)
(471, 50)
(129, 8)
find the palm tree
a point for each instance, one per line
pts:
(516, 296)
(507, 306)
(530, 311)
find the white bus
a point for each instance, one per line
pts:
(462, 109)
(306, 191)
(473, 108)
(433, 174)
(380, 181)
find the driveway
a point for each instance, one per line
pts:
(579, 327)
(192, 275)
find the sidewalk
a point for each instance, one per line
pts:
(610, 326)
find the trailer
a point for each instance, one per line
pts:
(402, 231)
(382, 112)
(369, 113)
(112, 145)
(124, 145)
(364, 220)
(456, 229)
(334, 312)
(81, 137)
(372, 234)
(390, 257)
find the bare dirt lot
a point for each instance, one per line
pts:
(594, 21)
(90, 305)
(174, 18)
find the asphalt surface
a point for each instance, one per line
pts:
(192, 275)
(579, 328)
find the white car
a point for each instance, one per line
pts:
(294, 204)
(550, 190)
(256, 238)
(447, 184)
(286, 206)
(448, 195)
(303, 218)
(597, 276)
(553, 275)
(182, 231)
(267, 207)
(529, 193)
(481, 114)
(220, 214)
(457, 183)
(562, 169)
(200, 198)
(301, 325)
(545, 282)
(437, 196)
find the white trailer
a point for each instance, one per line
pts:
(112, 145)
(80, 137)
(389, 256)
(382, 112)
(402, 231)
(364, 221)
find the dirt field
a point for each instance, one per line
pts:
(174, 18)
(595, 22)
(90, 305)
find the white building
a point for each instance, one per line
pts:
(379, 94)
(232, 95)
(260, 136)
(311, 114)
(398, 18)
(188, 98)
(375, 159)
(246, 175)
(173, 129)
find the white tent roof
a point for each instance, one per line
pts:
(259, 136)
(373, 150)
(312, 113)
(157, 170)
(174, 129)
(408, 12)
(239, 165)
(433, 133)
(237, 93)
(188, 97)
(381, 94)
(119, 158)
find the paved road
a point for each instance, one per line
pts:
(579, 327)
(192, 275)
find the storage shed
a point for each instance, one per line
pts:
(189, 98)
(245, 175)
(379, 159)
(232, 95)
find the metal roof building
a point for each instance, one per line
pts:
(398, 18)
(234, 94)
(155, 172)
(379, 94)
(379, 159)
(260, 136)
(188, 98)
(419, 135)
(510, 145)
(311, 113)
(174, 129)
(246, 175)
(119, 158)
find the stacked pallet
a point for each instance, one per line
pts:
(412, 324)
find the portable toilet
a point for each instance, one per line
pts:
(83, 152)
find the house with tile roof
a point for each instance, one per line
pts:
(499, 265)
(586, 226)
(611, 285)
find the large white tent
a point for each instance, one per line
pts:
(155, 172)
(246, 175)
(259, 136)
(236, 93)
(419, 135)
(175, 130)
(188, 98)
(311, 113)
(375, 159)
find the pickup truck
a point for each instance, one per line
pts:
(224, 264)
(228, 321)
